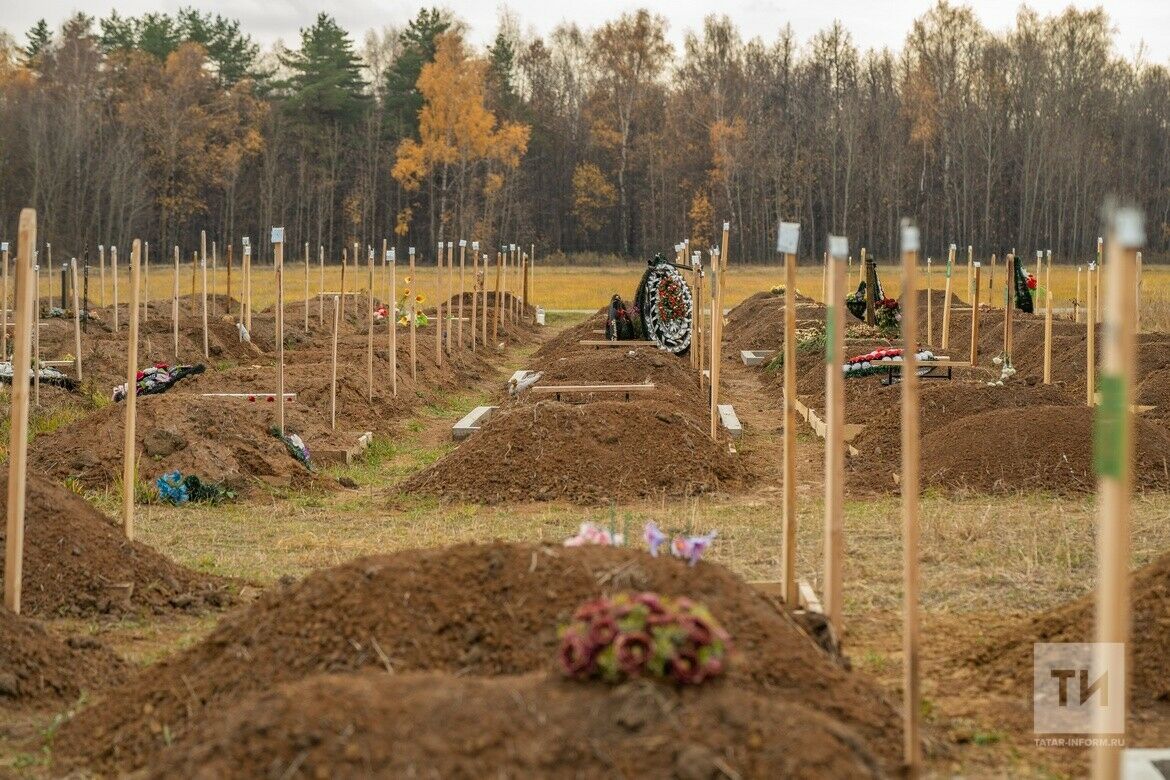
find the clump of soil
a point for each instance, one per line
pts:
(940, 404)
(589, 453)
(464, 610)
(526, 726)
(78, 563)
(1046, 448)
(217, 439)
(37, 669)
(1006, 659)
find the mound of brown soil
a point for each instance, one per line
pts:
(39, 669)
(217, 439)
(1154, 391)
(1044, 448)
(758, 322)
(940, 404)
(1006, 659)
(374, 724)
(77, 562)
(466, 610)
(565, 342)
(590, 453)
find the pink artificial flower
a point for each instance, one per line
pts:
(632, 650)
(654, 537)
(691, 547)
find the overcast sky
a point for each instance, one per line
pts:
(873, 24)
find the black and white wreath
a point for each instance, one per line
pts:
(664, 302)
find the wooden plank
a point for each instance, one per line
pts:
(552, 389)
(607, 343)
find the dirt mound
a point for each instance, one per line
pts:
(1006, 659)
(590, 453)
(758, 322)
(217, 439)
(1154, 391)
(592, 327)
(1045, 448)
(940, 404)
(466, 610)
(37, 669)
(77, 562)
(527, 726)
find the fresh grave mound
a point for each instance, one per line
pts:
(374, 724)
(216, 439)
(38, 669)
(1044, 448)
(565, 342)
(758, 322)
(939, 404)
(78, 563)
(589, 453)
(1006, 659)
(468, 609)
(1154, 391)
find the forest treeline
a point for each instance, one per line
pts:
(607, 139)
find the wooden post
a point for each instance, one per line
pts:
(929, 303)
(102, 272)
(946, 323)
(412, 293)
(717, 285)
(835, 436)
(23, 302)
(214, 274)
(392, 308)
(532, 276)
(203, 266)
(333, 372)
(227, 306)
(970, 272)
(991, 284)
(499, 299)
(129, 450)
(4, 306)
(862, 272)
(1137, 300)
(1009, 305)
(450, 291)
(49, 266)
(175, 304)
(76, 318)
(483, 309)
(278, 263)
(700, 318)
(114, 274)
(474, 289)
(911, 661)
(870, 292)
(1114, 461)
(36, 334)
(321, 286)
(825, 277)
(1097, 281)
(248, 286)
(357, 259)
(787, 243)
(524, 286)
(306, 287)
(1048, 271)
(1091, 335)
(439, 306)
(1048, 337)
(1077, 300)
(974, 314)
(145, 281)
(370, 328)
(462, 285)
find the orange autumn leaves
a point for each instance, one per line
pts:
(455, 127)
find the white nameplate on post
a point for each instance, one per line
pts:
(278, 235)
(910, 239)
(788, 238)
(838, 247)
(462, 242)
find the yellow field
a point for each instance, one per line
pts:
(572, 287)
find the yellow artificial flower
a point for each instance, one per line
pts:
(419, 298)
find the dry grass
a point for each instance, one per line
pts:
(590, 287)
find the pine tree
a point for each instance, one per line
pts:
(233, 53)
(40, 38)
(326, 87)
(403, 101)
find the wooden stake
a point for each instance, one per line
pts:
(344, 263)
(278, 262)
(321, 286)
(474, 289)
(1077, 300)
(76, 318)
(462, 285)
(1009, 305)
(789, 241)
(970, 272)
(1048, 337)
(412, 293)
(145, 281)
(450, 291)
(717, 285)
(1114, 461)
(911, 682)
(36, 334)
(4, 307)
(1097, 282)
(929, 303)
(175, 304)
(333, 373)
(499, 299)
(483, 309)
(227, 305)
(129, 450)
(1137, 300)
(835, 437)
(369, 329)
(439, 306)
(975, 314)
(114, 273)
(23, 302)
(214, 275)
(991, 284)
(248, 287)
(203, 267)
(1091, 335)
(392, 308)
(946, 323)
(524, 286)
(306, 287)
(102, 272)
